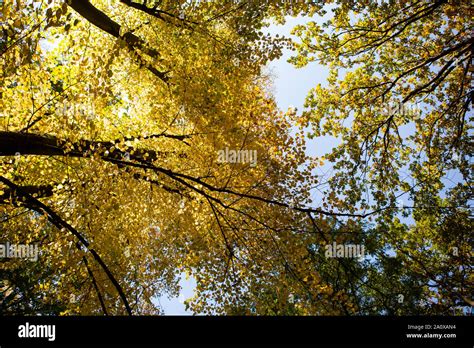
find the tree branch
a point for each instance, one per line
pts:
(58, 222)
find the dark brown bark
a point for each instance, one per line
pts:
(58, 222)
(40, 191)
(15, 143)
(103, 22)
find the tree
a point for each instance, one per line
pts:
(112, 123)
(400, 73)
(113, 115)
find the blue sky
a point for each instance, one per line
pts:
(290, 87)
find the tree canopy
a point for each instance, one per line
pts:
(112, 117)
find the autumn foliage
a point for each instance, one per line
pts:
(112, 117)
